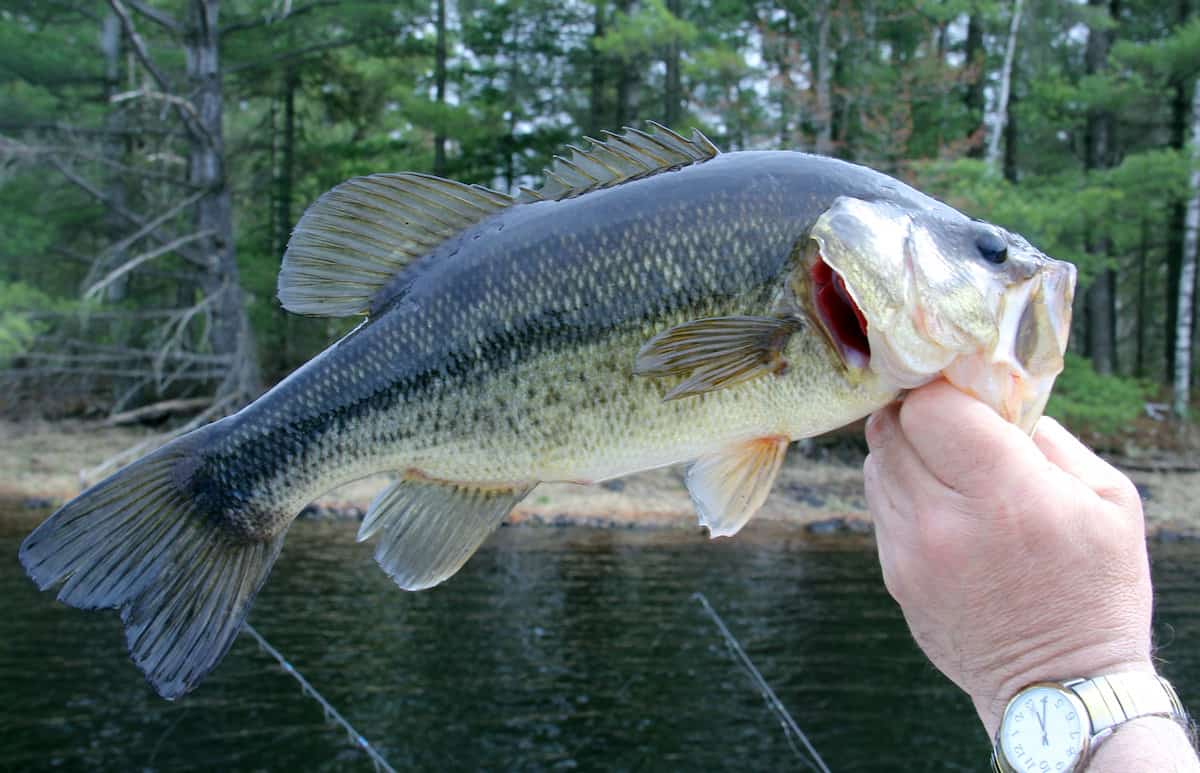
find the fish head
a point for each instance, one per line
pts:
(913, 295)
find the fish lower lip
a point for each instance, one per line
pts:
(839, 315)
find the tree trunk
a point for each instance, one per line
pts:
(824, 111)
(439, 74)
(1180, 106)
(784, 63)
(974, 98)
(1001, 114)
(287, 162)
(673, 93)
(1139, 367)
(1011, 144)
(1100, 296)
(213, 214)
(597, 114)
(114, 148)
(627, 82)
(1181, 392)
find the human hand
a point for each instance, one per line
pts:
(1013, 559)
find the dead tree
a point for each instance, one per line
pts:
(169, 219)
(1191, 236)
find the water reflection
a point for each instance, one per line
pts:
(554, 649)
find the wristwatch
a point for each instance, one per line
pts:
(1055, 726)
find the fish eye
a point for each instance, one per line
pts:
(991, 246)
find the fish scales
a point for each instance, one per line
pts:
(711, 310)
(460, 378)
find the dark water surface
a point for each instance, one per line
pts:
(554, 649)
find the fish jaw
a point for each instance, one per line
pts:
(931, 304)
(1015, 378)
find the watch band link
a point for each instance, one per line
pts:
(1116, 698)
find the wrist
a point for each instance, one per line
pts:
(1146, 743)
(1083, 663)
(1062, 725)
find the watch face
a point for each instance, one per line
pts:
(1044, 729)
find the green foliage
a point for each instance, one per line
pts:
(1087, 401)
(646, 32)
(319, 92)
(17, 329)
(1054, 213)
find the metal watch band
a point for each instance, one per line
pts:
(1116, 698)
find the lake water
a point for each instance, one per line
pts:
(554, 649)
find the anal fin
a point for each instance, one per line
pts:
(729, 486)
(429, 528)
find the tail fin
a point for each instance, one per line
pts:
(138, 542)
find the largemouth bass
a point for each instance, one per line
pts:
(656, 302)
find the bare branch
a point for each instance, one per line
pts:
(145, 257)
(194, 127)
(267, 19)
(139, 45)
(171, 99)
(152, 226)
(123, 314)
(67, 128)
(216, 409)
(146, 228)
(162, 18)
(95, 192)
(299, 53)
(155, 410)
(119, 372)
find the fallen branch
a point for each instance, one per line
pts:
(156, 410)
(102, 470)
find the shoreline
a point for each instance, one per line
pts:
(40, 464)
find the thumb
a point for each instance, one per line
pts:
(964, 442)
(1064, 451)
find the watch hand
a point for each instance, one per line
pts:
(1042, 722)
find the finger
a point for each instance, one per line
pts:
(963, 442)
(897, 481)
(1065, 451)
(890, 532)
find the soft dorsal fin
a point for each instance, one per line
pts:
(358, 236)
(620, 157)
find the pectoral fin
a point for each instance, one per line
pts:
(430, 528)
(716, 352)
(729, 486)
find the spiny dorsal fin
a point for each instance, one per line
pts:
(617, 158)
(358, 236)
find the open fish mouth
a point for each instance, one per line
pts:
(843, 322)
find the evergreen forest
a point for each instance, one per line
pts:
(155, 155)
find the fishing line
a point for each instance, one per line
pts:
(789, 725)
(330, 712)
